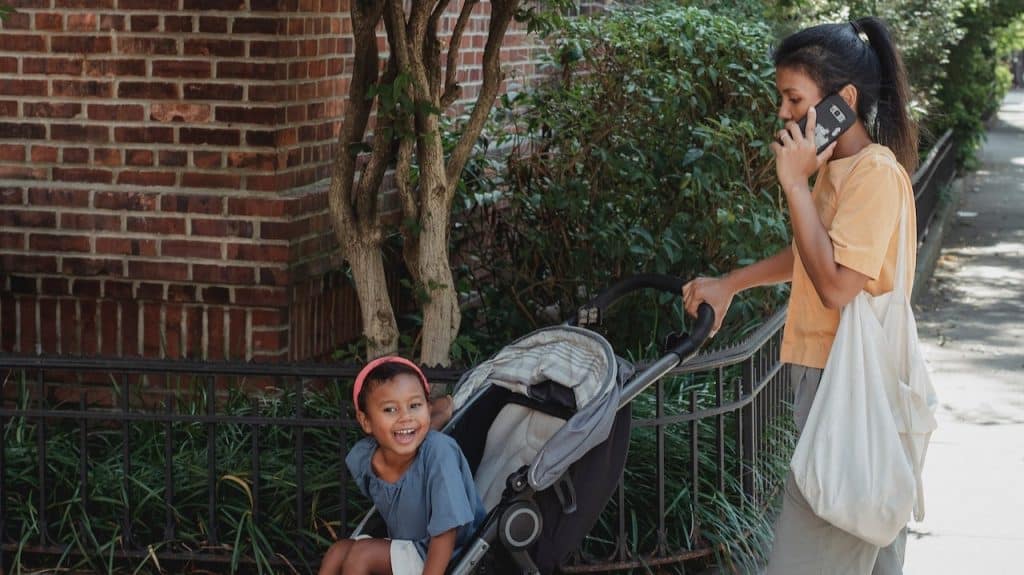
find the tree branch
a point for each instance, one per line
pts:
(405, 40)
(403, 167)
(416, 42)
(451, 86)
(410, 206)
(381, 154)
(364, 73)
(357, 114)
(501, 15)
(432, 50)
(394, 23)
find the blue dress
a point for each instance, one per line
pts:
(436, 493)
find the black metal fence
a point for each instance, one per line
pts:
(111, 438)
(99, 438)
(239, 465)
(719, 424)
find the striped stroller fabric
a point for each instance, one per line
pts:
(579, 360)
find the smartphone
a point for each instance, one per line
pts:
(833, 118)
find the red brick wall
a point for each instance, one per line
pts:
(162, 174)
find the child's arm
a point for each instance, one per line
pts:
(439, 553)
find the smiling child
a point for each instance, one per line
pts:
(416, 477)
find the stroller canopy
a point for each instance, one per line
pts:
(581, 361)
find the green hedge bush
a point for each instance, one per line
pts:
(977, 79)
(647, 152)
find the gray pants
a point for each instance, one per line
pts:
(806, 544)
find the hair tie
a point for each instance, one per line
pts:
(363, 373)
(858, 32)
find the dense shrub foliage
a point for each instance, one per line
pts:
(646, 152)
(977, 78)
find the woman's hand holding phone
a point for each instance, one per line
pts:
(796, 159)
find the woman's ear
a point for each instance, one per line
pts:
(849, 95)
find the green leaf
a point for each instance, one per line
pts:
(692, 155)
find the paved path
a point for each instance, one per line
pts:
(971, 321)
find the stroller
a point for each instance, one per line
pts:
(544, 425)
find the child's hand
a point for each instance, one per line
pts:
(441, 409)
(439, 553)
(795, 156)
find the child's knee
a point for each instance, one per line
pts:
(368, 556)
(335, 557)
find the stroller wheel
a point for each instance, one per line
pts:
(520, 525)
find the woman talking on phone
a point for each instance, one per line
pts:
(845, 239)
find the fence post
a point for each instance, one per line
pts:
(169, 519)
(662, 544)
(42, 405)
(211, 460)
(300, 470)
(3, 493)
(748, 445)
(126, 459)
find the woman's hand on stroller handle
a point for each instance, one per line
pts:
(715, 292)
(702, 330)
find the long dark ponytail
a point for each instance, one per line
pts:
(835, 55)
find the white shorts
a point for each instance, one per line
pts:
(405, 559)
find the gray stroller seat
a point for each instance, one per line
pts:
(513, 441)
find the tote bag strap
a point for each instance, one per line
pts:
(901, 272)
(899, 283)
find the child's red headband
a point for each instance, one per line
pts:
(378, 362)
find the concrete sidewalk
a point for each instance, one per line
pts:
(971, 321)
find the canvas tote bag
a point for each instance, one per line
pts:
(858, 461)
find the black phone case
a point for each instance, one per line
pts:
(834, 117)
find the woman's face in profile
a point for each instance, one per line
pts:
(798, 93)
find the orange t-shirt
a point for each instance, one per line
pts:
(858, 200)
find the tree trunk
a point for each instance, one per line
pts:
(441, 316)
(415, 54)
(379, 325)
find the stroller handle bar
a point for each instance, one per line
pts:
(684, 347)
(630, 284)
(680, 351)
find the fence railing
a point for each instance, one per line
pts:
(84, 436)
(112, 437)
(934, 175)
(729, 419)
(265, 485)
